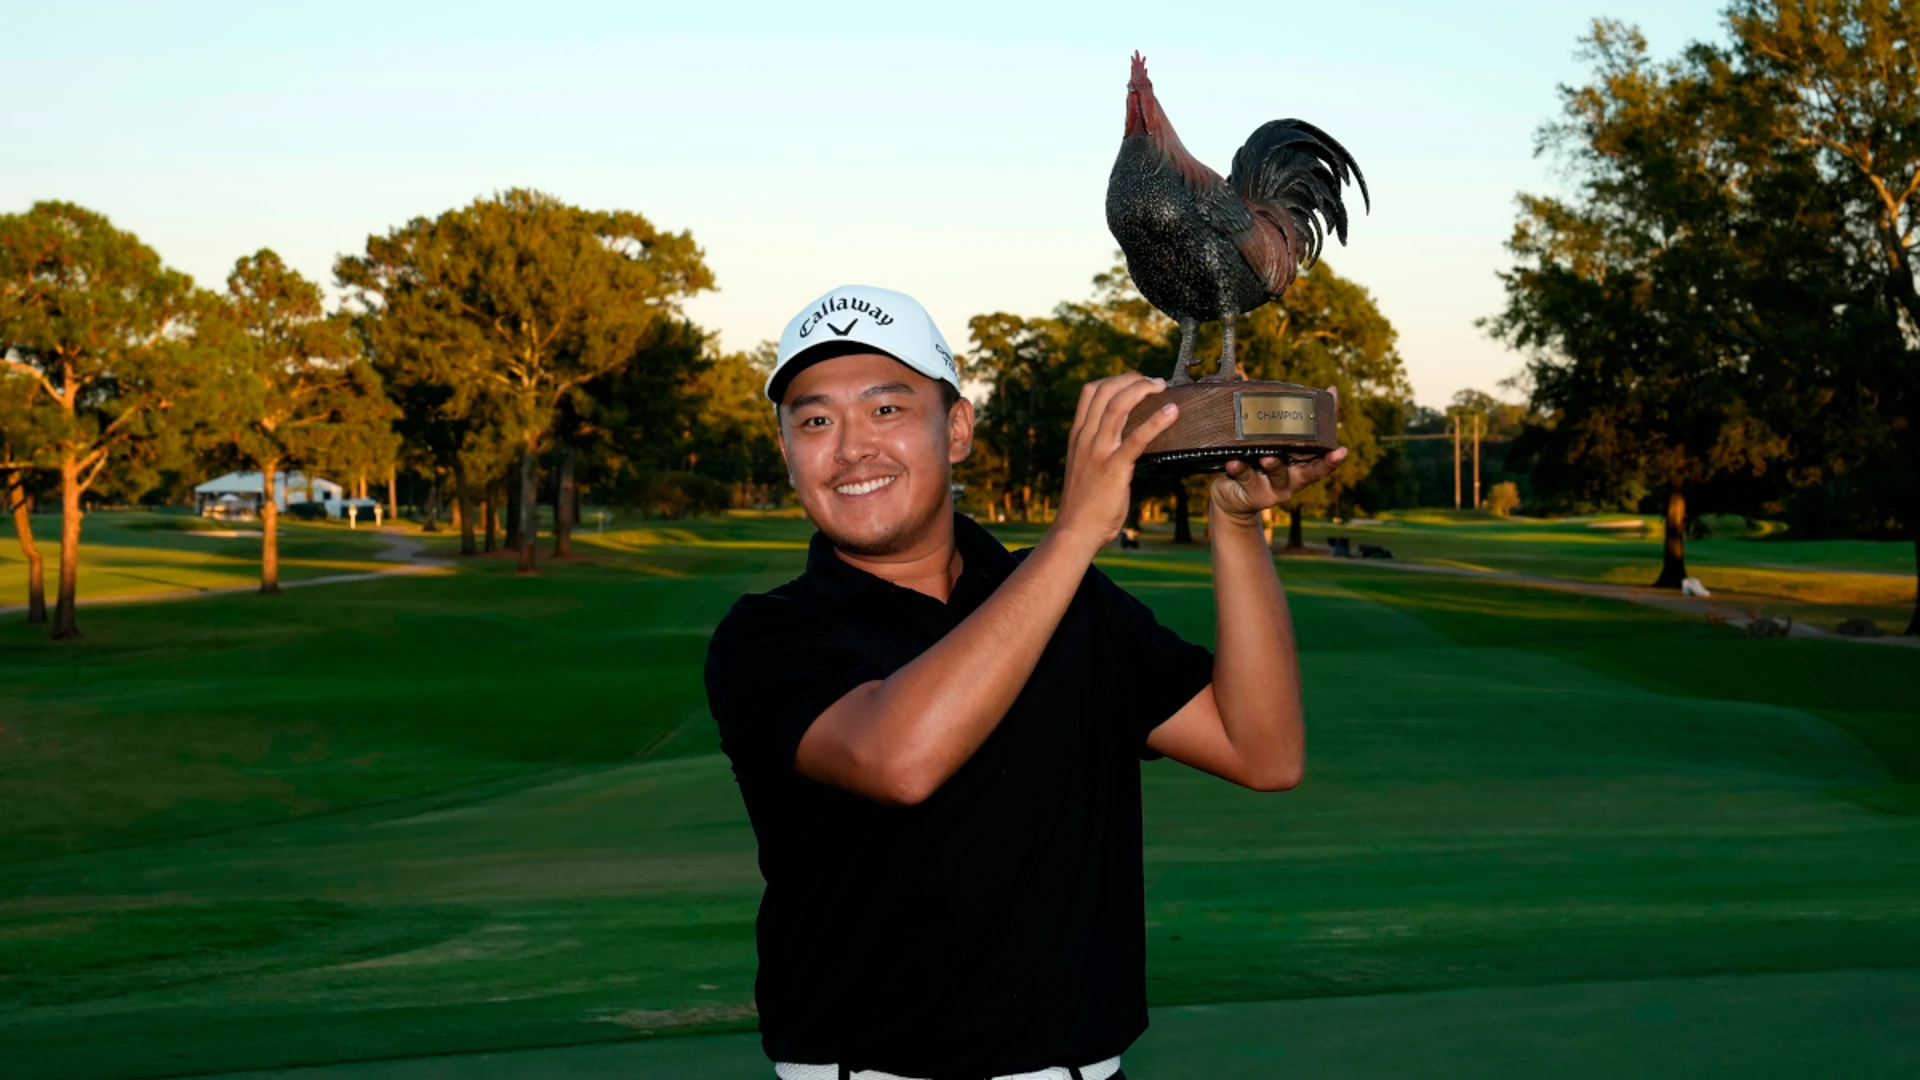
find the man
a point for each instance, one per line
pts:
(938, 741)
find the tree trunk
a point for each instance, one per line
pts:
(1913, 624)
(269, 530)
(1182, 521)
(486, 521)
(1673, 568)
(529, 508)
(463, 507)
(22, 504)
(65, 625)
(510, 495)
(433, 506)
(393, 493)
(1296, 538)
(564, 505)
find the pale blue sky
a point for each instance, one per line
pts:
(959, 153)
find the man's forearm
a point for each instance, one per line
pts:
(1256, 672)
(900, 738)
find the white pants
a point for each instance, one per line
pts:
(787, 1070)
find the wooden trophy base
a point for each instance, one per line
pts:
(1236, 418)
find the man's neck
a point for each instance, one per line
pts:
(931, 565)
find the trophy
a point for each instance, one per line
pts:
(1202, 248)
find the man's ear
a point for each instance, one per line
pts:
(959, 431)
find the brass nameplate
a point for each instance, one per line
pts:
(1259, 415)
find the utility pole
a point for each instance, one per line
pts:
(1478, 424)
(1456, 461)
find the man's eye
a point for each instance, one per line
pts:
(814, 421)
(885, 409)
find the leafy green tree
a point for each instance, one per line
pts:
(1835, 83)
(521, 299)
(1327, 331)
(1503, 498)
(103, 333)
(300, 394)
(18, 463)
(641, 419)
(1642, 351)
(1033, 370)
(1024, 424)
(734, 435)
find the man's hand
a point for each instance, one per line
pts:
(1093, 505)
(1247, 490)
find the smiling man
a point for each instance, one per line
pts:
(939, 741)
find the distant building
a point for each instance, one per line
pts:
(239, 494)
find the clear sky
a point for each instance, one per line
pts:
(956, 152)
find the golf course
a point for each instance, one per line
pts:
(471, 823)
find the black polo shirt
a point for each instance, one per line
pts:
(998, 926)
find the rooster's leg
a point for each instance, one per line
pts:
(1188, 327)
(1226, 372)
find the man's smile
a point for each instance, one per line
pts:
(864, 487)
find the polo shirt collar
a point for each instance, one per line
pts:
(981, 556)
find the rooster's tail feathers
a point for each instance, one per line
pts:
(1291, 173)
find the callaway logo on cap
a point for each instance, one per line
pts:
(862, 319)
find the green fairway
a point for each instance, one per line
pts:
(1819, 581)
(131, 553)
(485, 812)
(1861, 1022)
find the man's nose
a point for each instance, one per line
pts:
(856, 442)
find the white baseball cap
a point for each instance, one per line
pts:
(862, 319)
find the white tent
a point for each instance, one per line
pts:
(242, 492)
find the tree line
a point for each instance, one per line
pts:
(520, 345)
(514, 339)
(1718, 315)
(1720, 311)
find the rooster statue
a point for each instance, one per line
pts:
(1202, 248)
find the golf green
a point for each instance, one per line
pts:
(479, 813)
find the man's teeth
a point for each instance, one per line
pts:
(864, 486)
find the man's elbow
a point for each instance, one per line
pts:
(903, 787)
(898, 779)
(1283, 776)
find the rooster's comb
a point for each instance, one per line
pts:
(1139, 81)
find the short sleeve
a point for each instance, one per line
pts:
(1171, 669)
(771, 671)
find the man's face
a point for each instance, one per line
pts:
(870, 447)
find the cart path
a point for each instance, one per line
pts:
(1732, 611)
(408, 553)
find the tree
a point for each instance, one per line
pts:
(18, 463)
(735, 433)
(102, 331)
(1837, 81)
(1032, 381)
(1642, 350)
(523, 299)
(643, 418)
(1327, 331)
(302, 396)
(1033, 370)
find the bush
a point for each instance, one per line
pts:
(306, 511)
(681, 494)
(1503, 498)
